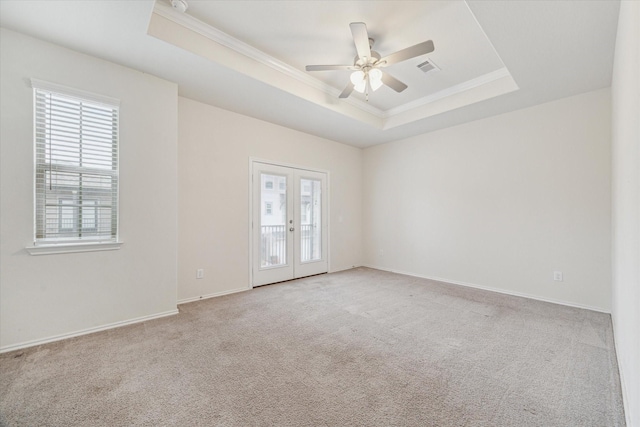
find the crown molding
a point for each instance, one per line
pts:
(164, 10)
(249, 51)
(462, 87)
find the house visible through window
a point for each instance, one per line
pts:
(68, 218)
(76, 172)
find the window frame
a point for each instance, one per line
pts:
(75, 243)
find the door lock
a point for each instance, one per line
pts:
(291, 229)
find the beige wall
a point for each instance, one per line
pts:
(500, 203)
(213, 162)
(625, 94)
(52, 296)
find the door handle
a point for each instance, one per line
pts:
(291, 229)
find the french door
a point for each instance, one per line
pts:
(289, 223)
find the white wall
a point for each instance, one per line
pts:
(42, 297)
(500, 203)
(213, 163)
(625, 94)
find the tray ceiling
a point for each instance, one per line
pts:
(286, 36)
(249, 57)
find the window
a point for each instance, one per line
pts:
(282, 185)
(268, 208)
(76, 166)
(268, 185)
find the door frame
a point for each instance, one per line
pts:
(253, 160)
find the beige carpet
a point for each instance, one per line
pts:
(356, 348)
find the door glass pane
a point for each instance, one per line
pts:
(310, 220)
(273, 220)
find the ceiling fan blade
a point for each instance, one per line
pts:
(329, 67)
(408, 53)
(361, 39)
(347, 91)
(392, 82)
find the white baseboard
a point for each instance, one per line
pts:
(344, 269)
(215, 294)
(34, 343)
(500, 291)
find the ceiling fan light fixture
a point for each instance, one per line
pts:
(375, 79)
(359, 80)
(360, 87)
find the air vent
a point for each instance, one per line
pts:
(428, 66)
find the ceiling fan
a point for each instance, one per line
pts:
(367, 65)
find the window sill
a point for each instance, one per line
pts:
(67, 248)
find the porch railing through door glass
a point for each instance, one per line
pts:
(309, 243)
(274, 245)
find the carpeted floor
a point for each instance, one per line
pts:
(355, 348)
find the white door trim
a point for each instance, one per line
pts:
(253, 160)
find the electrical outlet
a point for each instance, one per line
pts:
(557, 276)
(200, 273)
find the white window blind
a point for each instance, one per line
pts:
(76, 168)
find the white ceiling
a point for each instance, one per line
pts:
(303, 33)
(549, 49)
